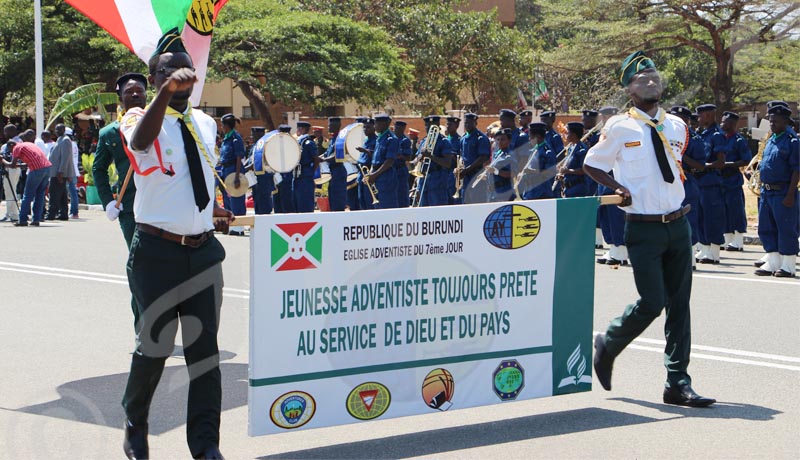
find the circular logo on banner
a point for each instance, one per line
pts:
(508, 380)
(368, 401)
(292, 410)
(511, 227)
(438, 389)
(201, 16)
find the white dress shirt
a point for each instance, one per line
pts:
(167, 202)
(626, 147)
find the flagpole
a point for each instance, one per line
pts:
(37, 32)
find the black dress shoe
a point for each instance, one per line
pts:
(598, 246)
(212, 453)
(603, 363)
(706, 261)
(683, 395)
(602, 260)
(733, 248)
(783, 274)
(20, 224)
(762, 272)
(135, 444)
(758, 263)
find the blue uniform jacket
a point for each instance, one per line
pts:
(308, 150)
(231, 150)
(555, 141)
(781, 158)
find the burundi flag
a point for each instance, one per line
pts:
(296, 246)
(138, 24)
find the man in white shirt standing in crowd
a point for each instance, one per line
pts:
(10, 175)
(644, 147)
(175, 263)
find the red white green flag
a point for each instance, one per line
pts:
(138, 24)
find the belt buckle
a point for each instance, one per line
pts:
(183, 240)
(664, 218)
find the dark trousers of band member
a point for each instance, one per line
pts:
(661, 255)
(171, 282)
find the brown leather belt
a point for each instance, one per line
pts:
(662, 218)
(193, 241)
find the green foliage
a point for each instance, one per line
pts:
(87, 160)
(16, 52)
(81, 98)
(296, 52)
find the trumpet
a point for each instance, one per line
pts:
(425, 164)
(459, 179)
(373, 189)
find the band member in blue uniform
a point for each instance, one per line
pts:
(779, 208)
(525, 119)
(737, 155)
(283, 199)
(589, 120)
(611, 219)
(303, 187)
(231, 155)
(553, 138)
(435, 191)
(501, 169)
(573, 179)
(606, 112)
(475, 151)
(508, 120)
(693, 161)
(382, 173)
(543, 159)
(337, 187)
(404, 155)
(712, 207)
(262, 192)
(452, 136)
(365, 160)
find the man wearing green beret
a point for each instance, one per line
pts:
(644, 147)
(175, 263)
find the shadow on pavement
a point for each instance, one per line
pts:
(96, 400)
(720, 410)
(470, 436)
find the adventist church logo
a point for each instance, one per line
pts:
(296, 246)
(576, 368)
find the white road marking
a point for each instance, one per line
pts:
(752, 280)
(749, 362)
(95, 276)
(751, 354)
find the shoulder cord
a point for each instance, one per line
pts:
(660, 131)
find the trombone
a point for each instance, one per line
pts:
(373, 189)
(424, 165)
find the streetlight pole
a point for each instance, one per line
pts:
(37, 33)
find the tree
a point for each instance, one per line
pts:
(16, 52)
(451, 51)
(597, 34)
(278, 55)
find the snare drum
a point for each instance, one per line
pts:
(276, 152)
(323, 173)
(349, 138)
(352, 175)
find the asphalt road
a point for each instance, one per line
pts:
(67, 333)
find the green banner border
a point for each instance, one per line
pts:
(573, 290)
(396, 366)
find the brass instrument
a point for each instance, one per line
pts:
(424, 165)
(751, 171)
(373, 189)
(459, 180)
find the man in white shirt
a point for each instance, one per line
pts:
(175, 263)
(644, 147)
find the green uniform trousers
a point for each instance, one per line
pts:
(661, 256)
(128, 225)
(173, 283)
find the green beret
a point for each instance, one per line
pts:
(170, 42)
(634, 64)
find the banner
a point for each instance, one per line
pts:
(358, 316)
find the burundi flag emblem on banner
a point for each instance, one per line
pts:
(296, 246)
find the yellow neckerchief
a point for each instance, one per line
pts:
(187, 119)
(660, 131)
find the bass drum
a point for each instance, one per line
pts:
(322, 174)
(276, 152)
(349, 138)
